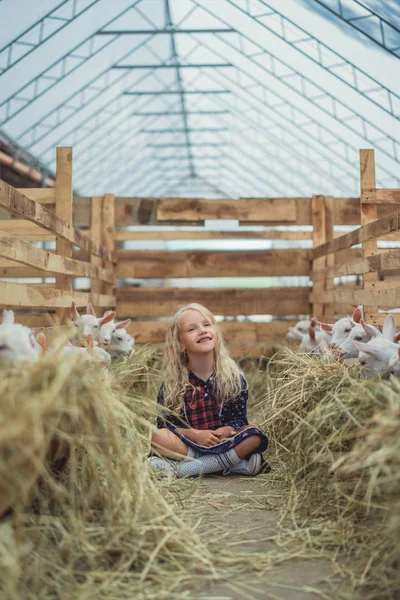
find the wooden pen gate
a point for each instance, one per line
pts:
(89, 233)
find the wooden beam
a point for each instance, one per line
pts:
(369, 214)
(34, 296)
(385, 298)
(246, 209)
(23, 252)
(380, 195)
(64, 201)
(207, 234)
(370, 231)
(41, 195)
(96, 286)
(162, 302)
(386, 261)
(246, 332)
(26, 230)
(108, 235)
(205, 263)
(18, 204)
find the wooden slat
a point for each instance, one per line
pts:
(207, 234)
(26, 230)
(21, 205)
(20, 294)
(369, 214)
(162, 264)
(245, 332)
(246, 209)
(162, 302)
(108, 234)
(382, 298)
(387, 261)
(96, 286)
(23, 252)
(41, 195)
(371, 231)
(380, 196)
(64, 202)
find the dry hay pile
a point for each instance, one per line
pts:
(81, 518)
(340, 436)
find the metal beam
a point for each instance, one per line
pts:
(199, 130)
(183, 145)
(188, 66)
(162, 93)
(164, 30)
(178, 112)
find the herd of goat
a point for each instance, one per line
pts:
(97, 339)
(101, 339)
(351, 338)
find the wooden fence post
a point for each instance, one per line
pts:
(369, 212)
(96, 227)
(322, 220)
(108, 235)
(64, 201)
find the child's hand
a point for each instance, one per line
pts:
(204, 437)
(225, 432)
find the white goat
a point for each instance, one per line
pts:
(17, 342)
(361, 332)
(295, 334)
(394, 364)
(89, 324)
(377, 353)
(342, 328)
(121, 342)
(314, 341)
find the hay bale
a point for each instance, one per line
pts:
(339, 434)
(100, 527)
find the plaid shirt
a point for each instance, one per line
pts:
(202, 409)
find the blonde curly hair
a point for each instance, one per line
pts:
(227, 383)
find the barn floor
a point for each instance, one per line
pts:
(242, 524)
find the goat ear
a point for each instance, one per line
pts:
(99, 344)
(123, 324)
(41, 340)
(396, 338)
(366, 348)
(111, 315)
(107, 313)
(74, 312)
(8, 317)
(325, 326)
(389, 328)
(357, 315)
(314, 321)
(311, 333)
(89, 341)
(370, 330)
(90, 310)
(352, 323)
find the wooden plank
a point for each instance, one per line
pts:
(41, 195)
(64, 202)
(380, 196)
(387, 261)
(96, 286)
(108, 234)
(23, 252)
(369, 214)
(246, 209)
(389, 298)
(370, 231)
(319, 237)
(208, 234)
(162, 302)
(205, 263)
(21, 205)
(234, 331)
(26, 230)
(33, 296)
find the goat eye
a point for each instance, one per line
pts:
(358, 338)
(95, 326)
(347, 330)
(362, 362)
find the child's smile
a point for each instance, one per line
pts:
(196, 332)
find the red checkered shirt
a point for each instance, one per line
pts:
(202, 409)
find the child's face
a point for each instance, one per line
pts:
(197, 334)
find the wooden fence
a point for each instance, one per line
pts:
(46, 215)
(379, 268)
(90, 234)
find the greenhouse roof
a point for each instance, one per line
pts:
(212, 98)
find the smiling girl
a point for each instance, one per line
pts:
(203, 426)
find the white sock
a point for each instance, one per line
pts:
(208, 463)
